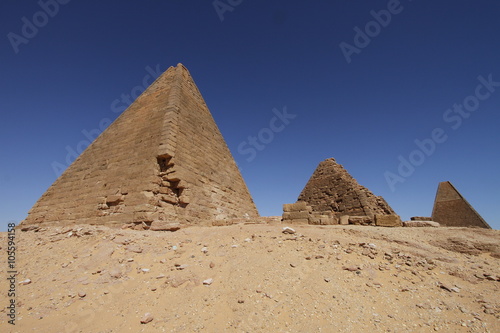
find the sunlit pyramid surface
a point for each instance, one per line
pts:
(163, 160)
(452, 210)
(332, 188)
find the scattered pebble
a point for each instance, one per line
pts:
(288, 230)
(147, 318)
(25, 282)
(114, 273)
(351, 268)
(134, 248)
(208, 282)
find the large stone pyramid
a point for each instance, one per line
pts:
(162, 160)
(332, 188)
(452, 210)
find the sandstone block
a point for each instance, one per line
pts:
(344, 219)
(328, 220)
(185, 199)
(172, 199)
(298, 221)
(164, 226)
(388, 221)
(314, 220)
(298, 215)
(144, 208)
(360, 220)
(145, 216)
(420, 218)
(295, 207)
(221, 222)
(113, 199)
(421, 224)
(166, 190)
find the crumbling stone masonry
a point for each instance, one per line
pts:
(163, 160)
(301, 213)
(334, 197)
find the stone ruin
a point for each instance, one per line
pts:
(421, 221)
(161, 164)
(333, 196)
(452, 210)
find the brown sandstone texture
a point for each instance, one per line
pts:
(255, 278)
(334, 197)
(451, 209)
(388, 221)
(162, 161)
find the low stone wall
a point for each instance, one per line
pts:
(388, 221)
(296, 213)
(301, 213)
(420, 218)
(415, 223)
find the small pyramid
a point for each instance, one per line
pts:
(163, 159)
(452, 210)
(332, 188)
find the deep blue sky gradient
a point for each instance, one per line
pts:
(264, 55)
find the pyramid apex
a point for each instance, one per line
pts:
(181, 66)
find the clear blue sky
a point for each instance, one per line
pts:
(364, 80)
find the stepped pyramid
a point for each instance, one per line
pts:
(452, 210)
(332, 189)
(162, 160)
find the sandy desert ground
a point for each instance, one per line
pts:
(254, 278)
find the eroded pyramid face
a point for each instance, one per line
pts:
(332, 188)
(163, 159)
(452, 210)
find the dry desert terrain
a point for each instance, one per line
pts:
(255, 278)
